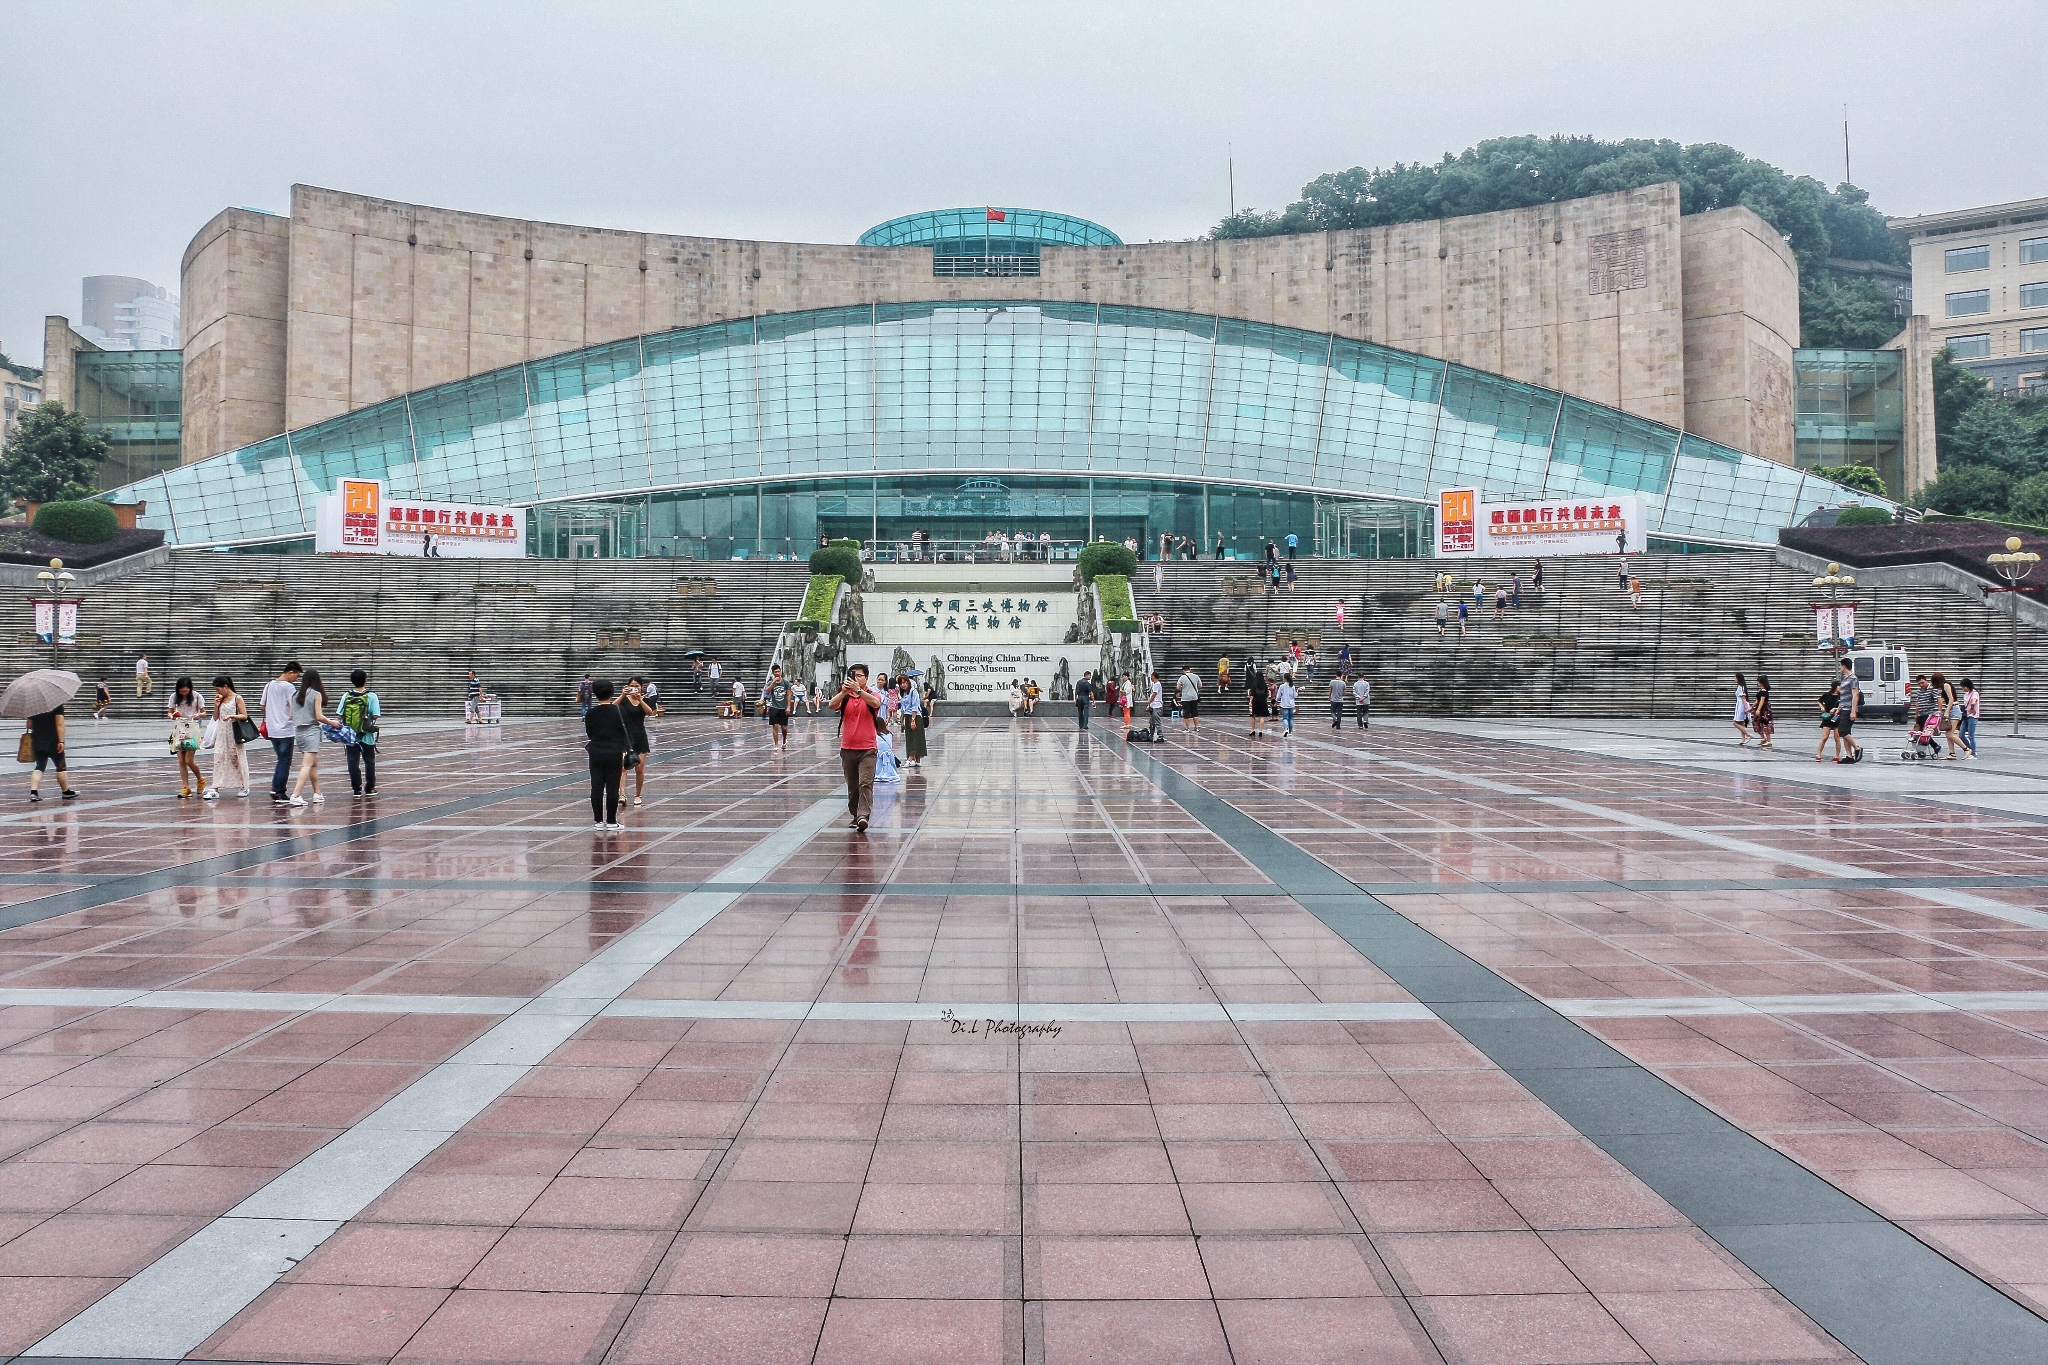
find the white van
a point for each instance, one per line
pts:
(1883, 674)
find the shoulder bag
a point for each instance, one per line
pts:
(25, 752)
(245, 730)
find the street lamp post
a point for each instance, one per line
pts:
(56, 579)
(2015, 564)
(1834, 580)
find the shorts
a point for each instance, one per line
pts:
(1191, 709)
(778, 718)
(1843, 725)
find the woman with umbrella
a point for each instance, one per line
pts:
(38, 698)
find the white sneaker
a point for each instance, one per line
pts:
(618, 828)
(242, 795)
(318, 798)
(601, 825)
(296, 801)
(209, 795)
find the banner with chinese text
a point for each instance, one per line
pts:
(1532, 528)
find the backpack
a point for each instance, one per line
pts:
(355, 713)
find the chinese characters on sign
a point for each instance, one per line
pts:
(56, 616)
(1832, 622)
(361, 518)
(942, 614)
(1536, 527)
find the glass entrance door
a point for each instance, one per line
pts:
(585, 547)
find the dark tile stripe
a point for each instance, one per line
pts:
(1883, 1293)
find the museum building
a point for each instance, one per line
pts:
(985, 370)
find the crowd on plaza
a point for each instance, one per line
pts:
(1938, 711)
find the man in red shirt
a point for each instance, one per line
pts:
(857, 705)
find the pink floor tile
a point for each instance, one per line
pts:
(484, 1327)
(1169, 1333)
(1475, 1263)
(1339, 1267)
(1724, 1325)
(1114, 1268)
(569, 1260)
(785, 1266)
(397, 1255)
(31, 1306)
(984, 1332)
(325, 1322)
(695, 1330)
(1529, 1329)
(1368, 1331)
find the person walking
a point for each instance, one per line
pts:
(230, 758)
(1621, 573)
(1272, 556)
(1340, 692)
(1951, 703)
(1190, 689)
(913, 724)
(1742, 715)
(360, 713)
(143, 682)
(1536, 577)
(1340, 620)
(1516, 600)
(583, 696)
(280, 706)
(1478, 594)
(1464, 613)
(1016, 697)
(696, 673)
(1123, 694)
(1830, 708)
(1292, 541)
(781, 698)
(1223, 673)
(102, 699)
(1219, 547)
(308, 715)
(1442, 618)
(1155, 703)
(188, 726)
(1290, 574)
(1361, 697)
(1084, 694)
(606, 737)
(1500, 603)
(857, 705)
(1762, 718)
(1286, 696)
(472, 699)
(1847, 712)
(1159, 575)
(1635, 593)
(635, 711)
(1258, 700)
(46, 745)
(1973, 709)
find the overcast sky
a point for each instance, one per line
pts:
(128, 125)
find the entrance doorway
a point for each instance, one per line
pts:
(585, 547)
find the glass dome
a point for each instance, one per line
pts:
(1023, 228)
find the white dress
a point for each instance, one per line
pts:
(1741, 707)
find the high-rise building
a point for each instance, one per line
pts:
(21, 388)
(1981, 276)
(122, 313)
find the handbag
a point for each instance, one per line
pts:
(245, 730)
(25, 752)
(208, 736)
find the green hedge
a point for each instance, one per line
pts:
(816, 615)
(1864, 516)
(1102, 556)
(1119, 617)
(80, 523)
(841, 557)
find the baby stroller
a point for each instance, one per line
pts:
(1926, 738)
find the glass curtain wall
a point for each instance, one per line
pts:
(738, 414)
(1850, 408)
(136, 400)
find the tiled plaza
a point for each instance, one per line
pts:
(1504, 1044)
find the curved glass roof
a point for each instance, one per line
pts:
(974, 388)
(1033, 227)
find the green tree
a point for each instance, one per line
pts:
(2029, 500)
(1967, 490)
(1847, 312)
(1860, 477)
(1956, 391)
(1991, 433)
(52, 456)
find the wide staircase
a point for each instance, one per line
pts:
(1578, 648)
(530, 628)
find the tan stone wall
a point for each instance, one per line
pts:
(1588, 296)
(61, 346)
(234, 286)
(1917, 341)
(1741, 327)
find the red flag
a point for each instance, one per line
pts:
(996, 215)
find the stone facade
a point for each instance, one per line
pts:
(235, 296)
(355, 300)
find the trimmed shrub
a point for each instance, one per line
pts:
(1864, 516)
(80, 523)
(816, 614)
(1102, 556)
(1119, 617)
(840, 558)
(1860, 477)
